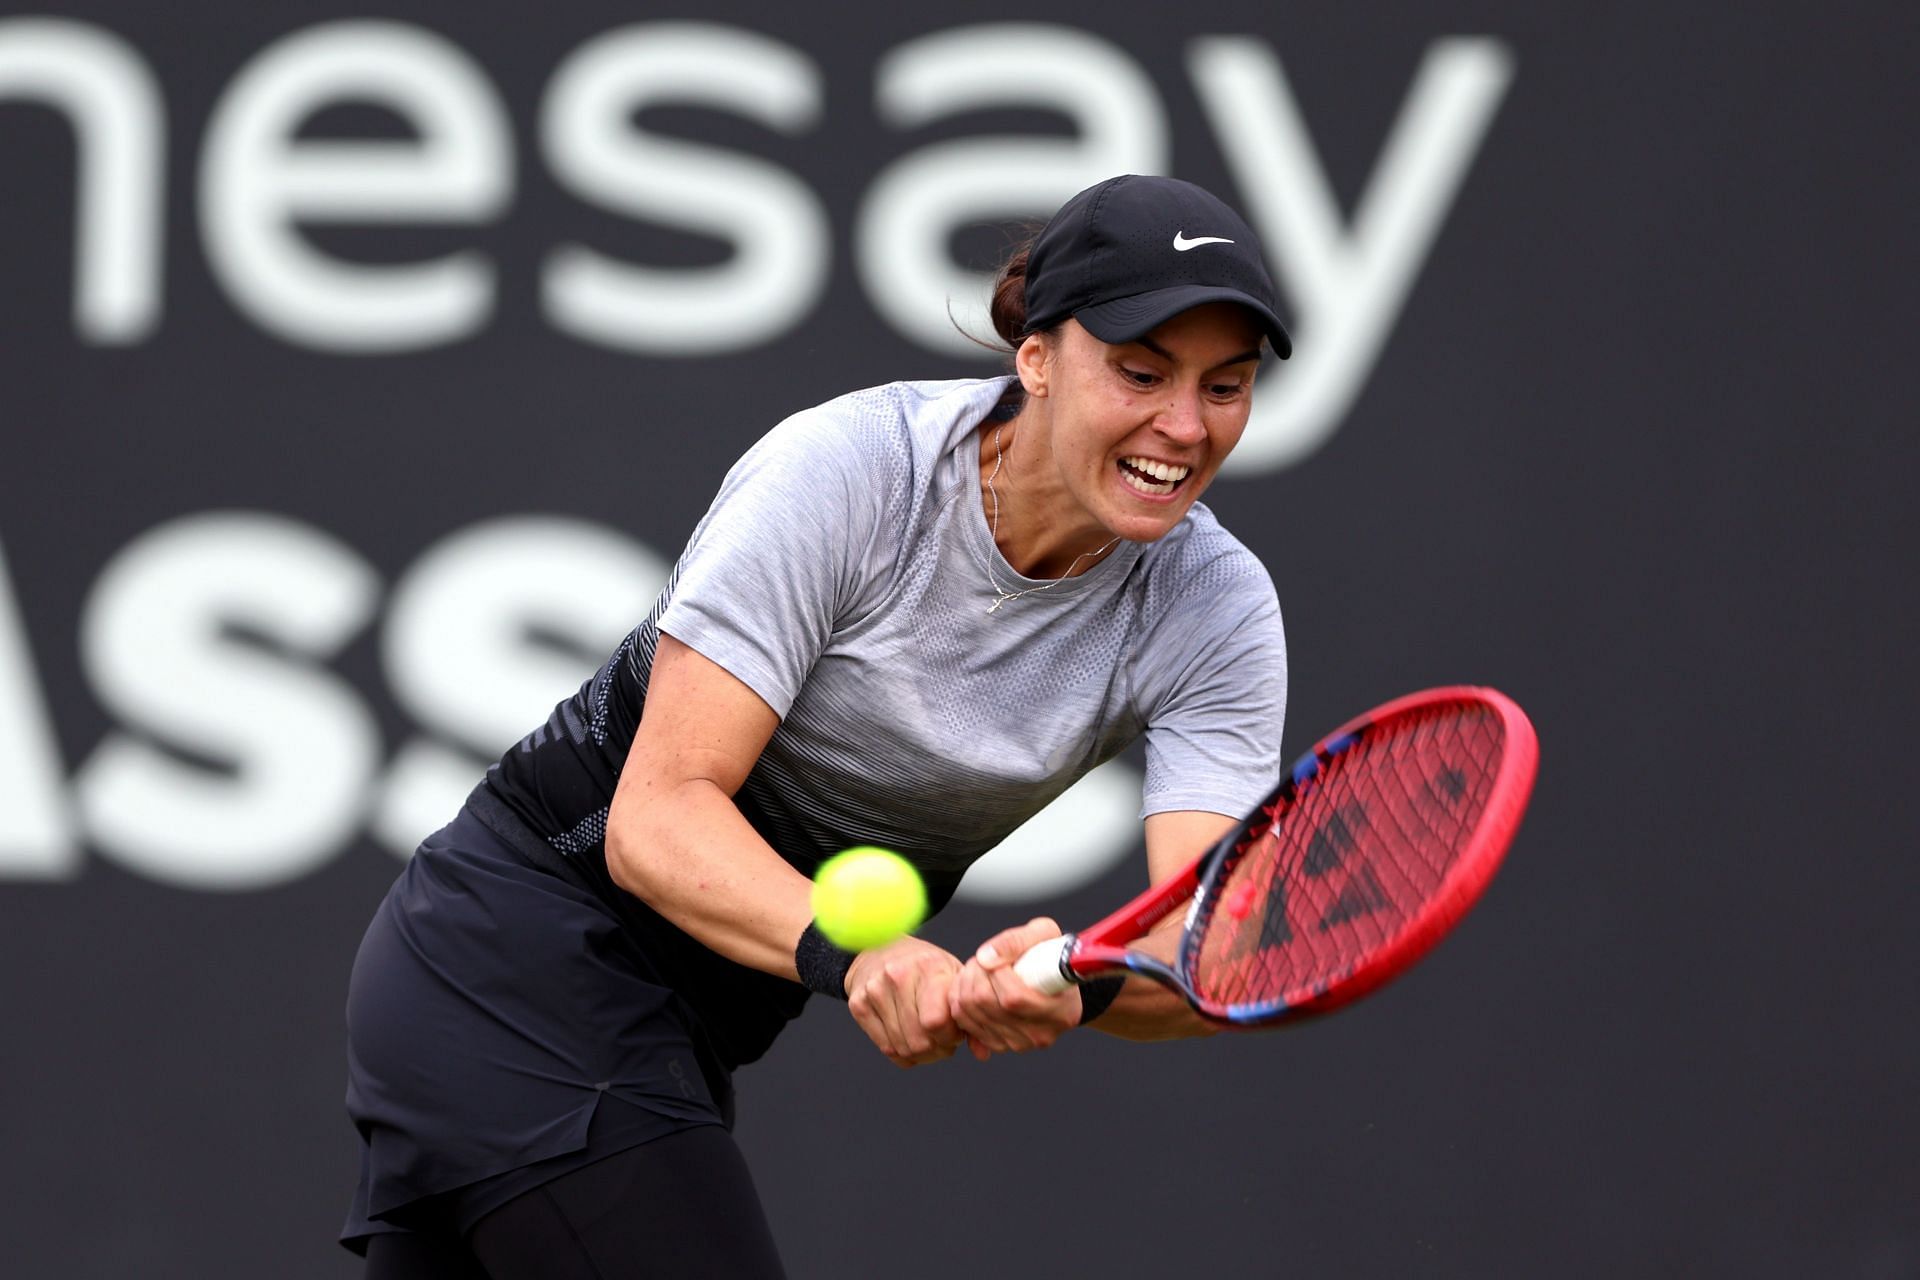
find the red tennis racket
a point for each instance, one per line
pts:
(1373, 846)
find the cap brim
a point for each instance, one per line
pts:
(1132, 318)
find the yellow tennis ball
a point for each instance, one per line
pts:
(866, 897)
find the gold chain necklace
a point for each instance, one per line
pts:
(1001, 592)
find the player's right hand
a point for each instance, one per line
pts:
(899, 995)
(995, 1008)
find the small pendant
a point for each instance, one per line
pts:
(995, 606)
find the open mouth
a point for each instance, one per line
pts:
(1155, 479)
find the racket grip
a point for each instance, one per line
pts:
(1044, 966)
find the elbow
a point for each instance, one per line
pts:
(626, 845)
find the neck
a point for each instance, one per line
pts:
(1025, 511)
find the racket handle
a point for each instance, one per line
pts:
(1044, 966)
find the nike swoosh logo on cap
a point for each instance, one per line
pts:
(1181, 244)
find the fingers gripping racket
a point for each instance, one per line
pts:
(1373, 846)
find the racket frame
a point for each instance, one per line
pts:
(1102, 949)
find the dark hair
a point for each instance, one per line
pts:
(1007, 307)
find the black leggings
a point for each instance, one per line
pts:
(682, 1205)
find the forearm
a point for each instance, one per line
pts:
(688, 852)
(1147, 1010)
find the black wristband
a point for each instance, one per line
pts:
(822, 966)
(1096, 995)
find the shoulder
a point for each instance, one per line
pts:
(860, 467)
(895, 421)
(1213, 648)
(1200, 565)
(876, 448)
(876, 451)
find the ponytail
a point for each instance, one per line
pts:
(1008, 307)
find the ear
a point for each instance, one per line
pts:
(1033, 362)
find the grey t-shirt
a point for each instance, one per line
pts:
(842, 575)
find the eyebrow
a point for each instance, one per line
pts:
(1168, 356)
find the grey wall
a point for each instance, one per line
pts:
(1602, 396)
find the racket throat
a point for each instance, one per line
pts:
(1158, 970)
(1092, 961)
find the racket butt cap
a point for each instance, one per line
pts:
(1044, 966)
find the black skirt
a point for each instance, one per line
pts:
(504, 1028)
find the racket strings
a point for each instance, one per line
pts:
(1419, 810)
(1348, 858)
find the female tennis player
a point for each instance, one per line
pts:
(912, 617)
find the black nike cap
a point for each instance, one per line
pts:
(1130, 253)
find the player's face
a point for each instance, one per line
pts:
(1139, 429)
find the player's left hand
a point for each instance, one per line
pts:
(899, 996)
(994, 1005)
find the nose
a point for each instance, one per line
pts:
(1182, 420)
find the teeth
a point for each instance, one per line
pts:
(1145, 486)
(1167, 474)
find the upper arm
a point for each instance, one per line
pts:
(1175, 838)
(1218, 700)
(700, 724)
(783, 554)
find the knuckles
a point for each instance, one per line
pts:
(919, 1004)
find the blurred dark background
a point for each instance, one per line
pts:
(358, 375)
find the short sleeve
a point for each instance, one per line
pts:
(1213, 740)
(781, 553)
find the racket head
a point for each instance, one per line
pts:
(1374, 845)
